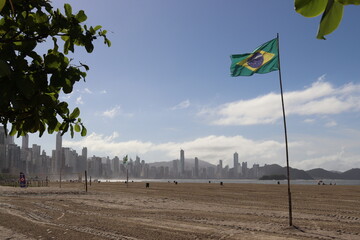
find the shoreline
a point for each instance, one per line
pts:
(342, 182)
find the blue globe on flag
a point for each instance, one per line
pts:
(256, 60)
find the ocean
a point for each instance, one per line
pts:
(243, 181)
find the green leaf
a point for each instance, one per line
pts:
(28, 124)
(77, 128)
(42, 129)
(75, 113)
(85, 66)
(68, 87)
(25, 46)
(57, 128)
(40, 17)
(72, 131)
(35, 56)
(4, 69)
(81, 16)
(52, 62)
(347, 2)
(13, 130)
(310, 8)
(89, 47)
(64, 128)
(68, 10)
(63, 107)
(97, 27)
(83, 131)
(26, 86)
(52, 124)
(66, 46)
(2, 4)
(331, 18)
(56, 47)
(107, 42)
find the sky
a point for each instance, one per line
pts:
(165, 84)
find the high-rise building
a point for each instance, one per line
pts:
(36, 159)
(83, 160)
(59, 161)
(256, 170)
(8, 152)
(116, 167)
(2, 136)
(9, 140)
(219, 170)
(53, 161)
(25, 142)
(2, 150)
(236, 163)
(13, 158)
(244, 169)
(25, 154)
(182, 162)
(196, 171)
(175, 168)
(84, 152)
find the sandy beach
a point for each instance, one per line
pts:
(182, 211)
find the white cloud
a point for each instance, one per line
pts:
(115, 111)
(331, 124)
(309, 120)
(210, 148)
(182, 105)
(103, 92)
(322, 77)
(308, 153)
(339, 160)
(321, 98)
(79, 100)
(332, 153)
(111, 113)
(86, 90)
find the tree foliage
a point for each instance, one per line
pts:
(331, 10)
(30, 82)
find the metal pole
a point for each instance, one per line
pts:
(286, 141)
(127, 177)
(85, 181)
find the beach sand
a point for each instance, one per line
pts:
(182, 211)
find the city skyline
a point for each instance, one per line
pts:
(65, 163)
(61, 155)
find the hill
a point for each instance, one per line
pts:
(319, 173)
(275, 169)
(352, 174)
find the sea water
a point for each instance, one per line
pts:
(256, 181)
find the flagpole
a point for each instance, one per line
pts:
(286, 141)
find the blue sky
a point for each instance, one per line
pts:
(165, 84)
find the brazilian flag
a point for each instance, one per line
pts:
(263, 59)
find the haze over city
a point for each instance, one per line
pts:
(165, 85)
